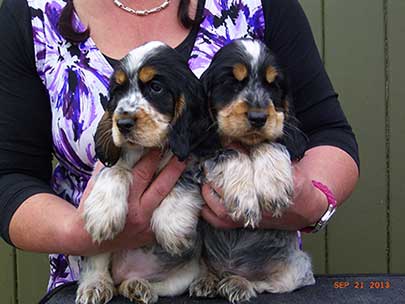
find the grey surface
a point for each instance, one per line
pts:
(324, 291)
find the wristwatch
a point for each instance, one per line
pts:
(328, 214)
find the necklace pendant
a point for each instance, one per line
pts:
(142, 13)
(145, 12)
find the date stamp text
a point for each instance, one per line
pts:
(362, 285)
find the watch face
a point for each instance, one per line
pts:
(328, 214)
(323, 221)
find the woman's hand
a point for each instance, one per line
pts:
(145, 196)
(214, 211)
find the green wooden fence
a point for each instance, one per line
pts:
(363, 45)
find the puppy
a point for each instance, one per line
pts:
(155, 101)
(250, 101)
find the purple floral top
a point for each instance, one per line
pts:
(77, 77)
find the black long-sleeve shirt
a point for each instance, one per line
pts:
(25, 114)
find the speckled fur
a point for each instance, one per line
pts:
(240, 263)
(168, 115)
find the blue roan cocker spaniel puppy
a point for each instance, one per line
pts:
(250, 101)
(155, 101)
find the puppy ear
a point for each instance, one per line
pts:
(206, 82)
(106, 151)
(179, 137)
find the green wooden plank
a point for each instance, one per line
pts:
(354, 57)
(396, 30)
(32, 276)
(7, 275)
(314, 244)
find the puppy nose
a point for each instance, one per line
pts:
(257, 119)
(125, 125)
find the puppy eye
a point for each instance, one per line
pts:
(156, 88)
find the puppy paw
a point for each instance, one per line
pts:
(105, 209)
(232, 172)
(236, 289)
(138, 291)
(205, 287)
(102, 222)
(243, 207)
(273, 177)
(98, 290)
(278, 203)
(174, 244)
(174, 222)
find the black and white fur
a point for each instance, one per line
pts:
(250, 101)
(155, 101)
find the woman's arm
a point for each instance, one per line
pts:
(330, 166)
(25, 116)
(47, 223)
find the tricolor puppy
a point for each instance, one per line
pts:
(249, 99)
(155, 101)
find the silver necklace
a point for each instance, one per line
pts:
(142, 12)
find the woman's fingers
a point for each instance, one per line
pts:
(214, 201)
(162, 185)
(144, 170)
(97, 168)
(220, 223)
(214, 212)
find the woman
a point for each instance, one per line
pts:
(53, 82)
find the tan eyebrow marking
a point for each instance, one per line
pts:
(240, 71)
(120, 77)
(271, 74)
(147, 73)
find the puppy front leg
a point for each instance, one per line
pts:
(174, 222)
(232, 171)
(138, 290)
(236, 289)
(105, 209)
(206, 284)
(96, 285)
(273, 177)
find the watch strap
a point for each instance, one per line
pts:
(329, 212)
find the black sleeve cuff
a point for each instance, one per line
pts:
(14, 190)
